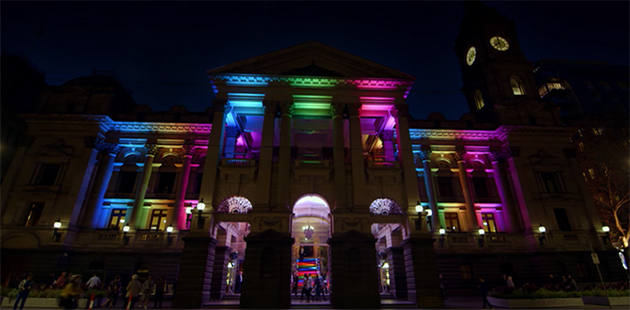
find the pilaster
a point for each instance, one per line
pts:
(470, 202)
(136, 218)
(263, 183)
(214, 151)
(179, 218)
(436, 219)
(108, 153)
(500, 177)
(284, 162)
(405, 156)
(339, 158)
(356, 155)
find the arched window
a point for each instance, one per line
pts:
(235, 205)
(479, 99)
(384, 206)
(517, 86)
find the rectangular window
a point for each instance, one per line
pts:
(158, 219)
(452, 221)
(563, 220)
(127, 181)
(34, 213)
(117, 215)
(552, 182)
(47, 174)
(445, 186)
(481, 187)
(166, 183)
(489, 224)
(465, 271)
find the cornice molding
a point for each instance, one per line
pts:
(499, 133)
(162, 127)
(311, 81)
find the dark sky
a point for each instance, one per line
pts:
(166, 44)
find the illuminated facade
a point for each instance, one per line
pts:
(307, 160)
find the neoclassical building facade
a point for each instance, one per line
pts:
(307, 154)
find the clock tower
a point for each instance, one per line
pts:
(498, 80)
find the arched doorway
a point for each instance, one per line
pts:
(311, 229)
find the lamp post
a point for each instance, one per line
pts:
(419, 210)
(125, 237)
(169, 231)
(56, 234)
(188, 216)
(481, 239)
(200, 221)
(442, 233)
(429, 215)
(542, 239)
(606, 230)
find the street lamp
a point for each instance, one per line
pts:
(125, 237)
(542, 230)
(188, 216)
(200, 206)
(429, 214)
(442, 233)
(169, 231)
(56, 234)
(482, 232)
(419, 210)
(605, 238)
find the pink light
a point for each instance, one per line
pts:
(377, 98)
(240, 141)
(376, 107)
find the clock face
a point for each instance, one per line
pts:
(470, 55)
(499, 43)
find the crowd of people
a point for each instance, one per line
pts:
(314, 288)
(72, 288)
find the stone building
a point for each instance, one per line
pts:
(306, 160)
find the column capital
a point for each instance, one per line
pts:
(287, 108)
(354, 108)
(271, 107)
(425, 155)
(189, 150)
(100, 145)
(336, 109)
(151, 149)
(400, 111)
(498, 155)
(232, 131)
(221, 105)
(459, 156)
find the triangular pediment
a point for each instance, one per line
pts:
(311, 59)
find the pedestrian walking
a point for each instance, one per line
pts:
(239, 282)
(306, 288)
(296, 280)
(94, 282)
(113, 290)
(70, 294)
(510, 282)
(483, 289)
(23, 290)
(61, 281)
(147, 290)
(160, 288)
(133, 290)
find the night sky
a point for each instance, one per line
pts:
(163, 49)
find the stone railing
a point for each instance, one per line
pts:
(238, 162)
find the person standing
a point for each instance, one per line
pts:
(160, 287)
(296, 280)
(23, 289)
(147, 289)
(306, 288)
(483, 289)
(239, 282)
(94, 282)
(510, 283)
(61, 281)
(70, 293)
(133, 289)
(112, 292)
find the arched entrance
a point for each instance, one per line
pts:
(311, 229)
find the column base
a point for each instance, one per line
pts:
(195, 271)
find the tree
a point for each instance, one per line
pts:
(604, 158)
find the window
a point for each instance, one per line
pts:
(34, 213)
(445, 186)
(548, 87)
(158, 219)
(481, 187)
(465, 271)
(582, 270)
(127, 181)
(552, 182)
(562, 219)
(479, 99)
(489, 224)
(452, 221)
(517, 87)
(166, 183)
(117, 215)
(47, 174)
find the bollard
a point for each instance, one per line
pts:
(91, 303)
(129, 302)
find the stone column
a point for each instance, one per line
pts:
(388, 144)
(284, 163)
(423, 284)
(231, 134)
(195, 271)
(397, 272)
(214, 151)
(136, 217)
(219, 272)
(263, 183)
(356, 155)
(436, 219)
(405, 157)
(339, 158)
(179, 216)
(94, 212)
(500, 178)
(470, 202)
(353, 265)
(266, 271)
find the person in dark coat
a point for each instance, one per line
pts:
(160, 287)
(239, 282)
(23, 289)
(483, 289)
